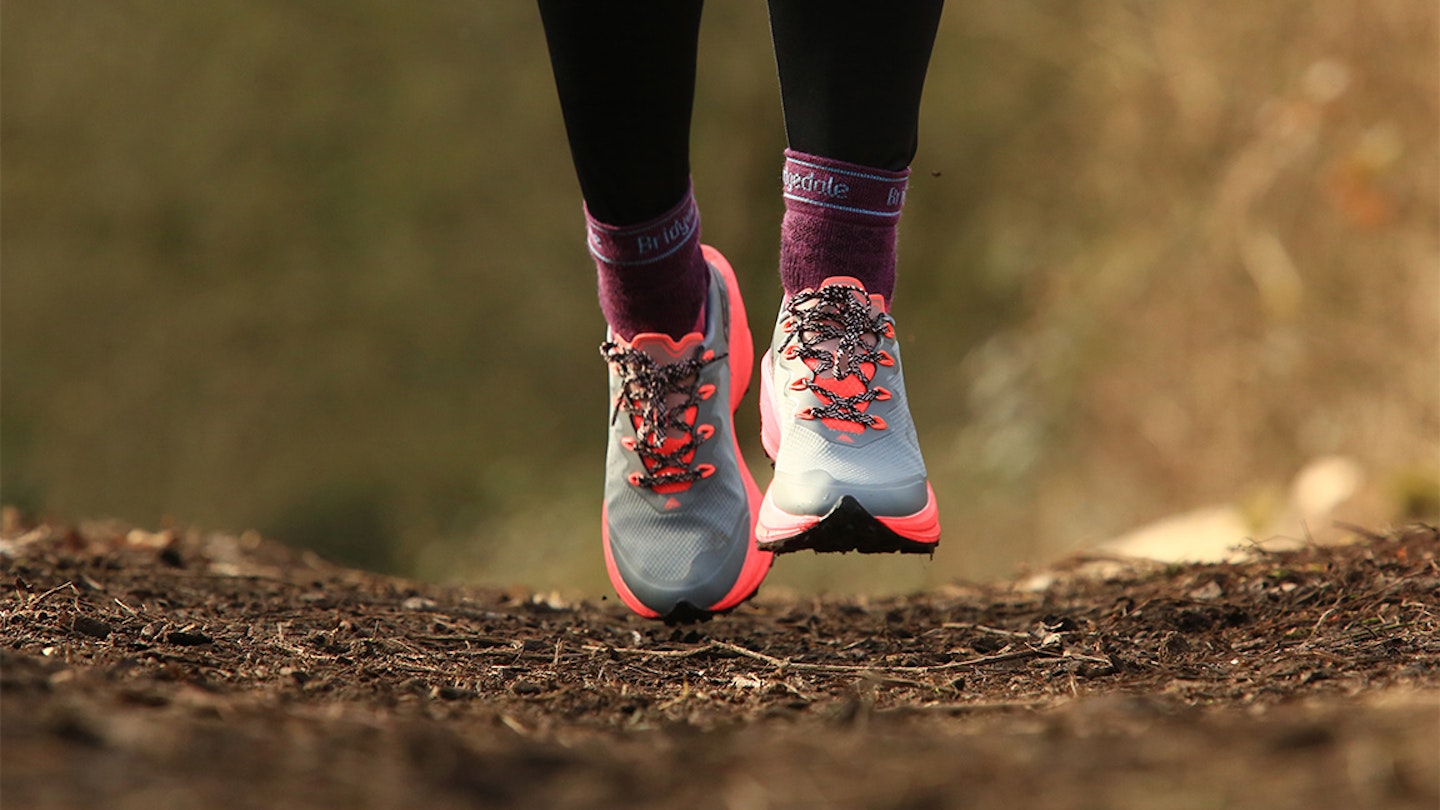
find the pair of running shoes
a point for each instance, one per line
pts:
(686, 530)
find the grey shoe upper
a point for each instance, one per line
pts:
(690, 545)
(821, 460)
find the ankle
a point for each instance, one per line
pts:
(652, 275)
(841, 219)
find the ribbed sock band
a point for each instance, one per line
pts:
(840, 220)
(653, 277)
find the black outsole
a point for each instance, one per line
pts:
(848, 527)
(686, 613)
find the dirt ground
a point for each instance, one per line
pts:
(177, 669)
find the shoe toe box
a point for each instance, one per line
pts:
(665, 559)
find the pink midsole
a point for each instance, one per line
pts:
(769, 425)
(742, 364)
(921, 527)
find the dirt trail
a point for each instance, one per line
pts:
(158, 670)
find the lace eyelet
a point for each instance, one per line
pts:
(705, 470)
(705, 432)
(633, 478)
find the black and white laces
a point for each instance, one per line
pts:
(834, 327)
(659, 398)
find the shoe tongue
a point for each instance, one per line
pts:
(664, 349)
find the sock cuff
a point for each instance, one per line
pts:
(647, 242)
(841, 190)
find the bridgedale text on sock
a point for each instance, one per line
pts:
(825, 187)
(669, 233)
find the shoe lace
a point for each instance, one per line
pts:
(834, 327)
(660, 399)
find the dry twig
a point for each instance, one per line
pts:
(804, 666)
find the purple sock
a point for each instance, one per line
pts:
(653, 277)
(840, 220)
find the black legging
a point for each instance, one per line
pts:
(851, 74)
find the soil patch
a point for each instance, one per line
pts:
(178, 669)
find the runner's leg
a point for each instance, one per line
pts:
(625, 72)
(851, 76)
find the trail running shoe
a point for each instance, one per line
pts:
(680, 504)
(848, 471)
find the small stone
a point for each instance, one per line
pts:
(92, 627)
(451, 693)
(527, 688)
(154, 541)
(1058, 624)
(1174, 645)
(183, 639)
(1209, 592)
(1095, 669)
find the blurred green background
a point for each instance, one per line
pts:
(317, 267)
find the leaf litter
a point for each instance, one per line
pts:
(182, 669)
